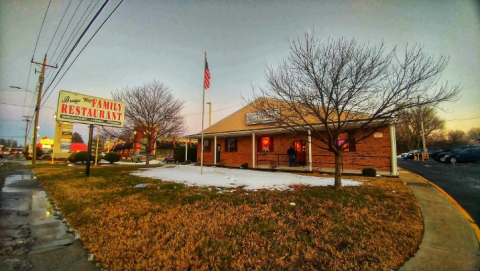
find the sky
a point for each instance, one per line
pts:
(148, 40)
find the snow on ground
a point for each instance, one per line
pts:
(230, 178)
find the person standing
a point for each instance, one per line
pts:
(291, 156)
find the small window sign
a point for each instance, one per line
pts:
(377, 135)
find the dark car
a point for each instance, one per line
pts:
(449, 150)
(169, 158)
(467, 155)
(410, 154)
(431, 151)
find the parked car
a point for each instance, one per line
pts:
(449, 150)
(169, 158)
(141, 156)
(467, 155)
(433, 151)
(410, 154)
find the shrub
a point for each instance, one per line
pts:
(244, 165)
(112, 157)
(71, 158)
(370, 172)
(39, 152)
(83, 156)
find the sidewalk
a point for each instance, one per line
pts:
(32, 234)
(449, 241)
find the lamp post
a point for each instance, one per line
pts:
(209, 114)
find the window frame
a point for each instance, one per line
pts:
(205, 147)
(227, 145)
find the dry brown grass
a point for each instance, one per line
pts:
(168, 226)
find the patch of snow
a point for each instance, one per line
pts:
(128, 162)
(249, 179)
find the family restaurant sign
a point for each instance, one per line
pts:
(80, 108)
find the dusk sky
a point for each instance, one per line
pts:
(148, 40)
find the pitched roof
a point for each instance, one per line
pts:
(237, 121)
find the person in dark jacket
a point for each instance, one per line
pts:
(291, 156)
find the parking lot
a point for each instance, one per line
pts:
(460, 180)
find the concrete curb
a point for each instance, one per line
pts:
(467, 216)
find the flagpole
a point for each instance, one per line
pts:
(203, 112)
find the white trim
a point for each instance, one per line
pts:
(393, 147)
(214, 150)
(253, 150)
(309, 151)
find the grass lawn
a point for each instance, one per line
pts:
(170, 226)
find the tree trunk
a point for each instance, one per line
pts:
(338, 171)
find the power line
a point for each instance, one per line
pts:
(64, 32)
(61, 20)
(72, 35)
(34, 50)
(41, 27)
(75, 46)
(27, 106)
(212, 110)
(81, 50)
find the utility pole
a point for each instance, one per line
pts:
(27, 119)
(37, 107)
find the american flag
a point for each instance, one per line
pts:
(206, 79)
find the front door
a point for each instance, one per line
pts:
(300, 147)
(219, 148)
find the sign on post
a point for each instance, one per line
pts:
(80, 108)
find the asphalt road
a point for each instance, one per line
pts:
(461, 181)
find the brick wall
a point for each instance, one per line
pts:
(371, 152)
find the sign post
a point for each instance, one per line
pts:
(80, 108)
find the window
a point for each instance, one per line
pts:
(206, 145)
(231, 145)
(349, 139)
(265, 144)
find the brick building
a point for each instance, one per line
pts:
(237, 139)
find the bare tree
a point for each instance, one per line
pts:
(341, 86)
(457, 137)
(152, 109)
(409, 129)
(474, 134)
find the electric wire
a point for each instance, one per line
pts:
(34, 50)
(66, 28)
(75, 46)
(56, 30)
(82, 51)
(71, 38)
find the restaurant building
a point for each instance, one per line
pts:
(242, 137)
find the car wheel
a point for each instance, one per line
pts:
(132, 160)
(453, 160)
(442, 159)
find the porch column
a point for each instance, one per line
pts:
(393, 147)
(253, 150)
(214, 150)
(309, 151)
(186, 149)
